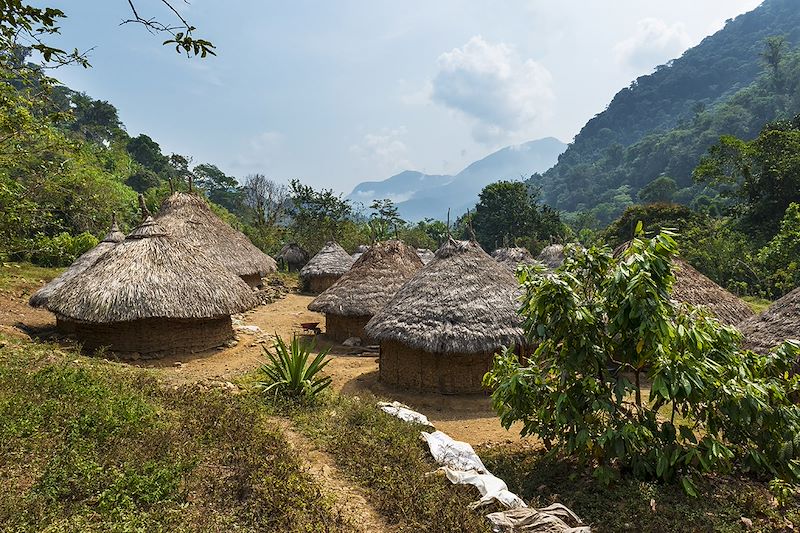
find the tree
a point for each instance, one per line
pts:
(602, 328)
(780, 258)
(266, 199)
(658, 191)
(317, 216)
(218, 186)
(147, 153)
(508, 211)
(383, 219)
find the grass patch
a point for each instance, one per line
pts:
(387, 457)
(88, 445)
(758, 305)
(625, 504)
(25, 275)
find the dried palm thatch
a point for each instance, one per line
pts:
(360, 249)
(780, 322)
(461, 302)
(188, 217)
(292, 257)
(425, 255)
(552, 256)
(512, 257)
(151, 275)
(114, 236)
(325, 268)
(371, 282)
(694, 288)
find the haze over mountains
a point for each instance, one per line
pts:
(419, 196)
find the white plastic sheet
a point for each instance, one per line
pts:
(402, 412)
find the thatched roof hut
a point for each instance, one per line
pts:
(365, 289)
(360, 249)
(694, 288)
(425, 255)
(40, 297)
(512, 257)
(552, 256)
(187, 216)
(152, 294)
(780, 322)
(325, 268)
(292, 257)
(442, 328)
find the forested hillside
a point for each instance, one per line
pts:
(731, 83)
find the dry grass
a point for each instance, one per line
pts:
(781, 321)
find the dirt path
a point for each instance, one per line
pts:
(351, 498)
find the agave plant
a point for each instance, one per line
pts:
(289, 372)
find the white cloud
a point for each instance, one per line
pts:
(383, 151)
(490, 83)
(258, 152)
(652, 42)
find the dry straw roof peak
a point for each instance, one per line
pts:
(552, 256)
(461, 302)
(293, 253)
(512, 257)
(780, 322)
(332, 260)
(187, 216)
(371, 282)
(151, 275)
(694, 288)
(114, 236)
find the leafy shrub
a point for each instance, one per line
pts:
(604, 330)
(62, 249)
(289, 372)
(781, 256)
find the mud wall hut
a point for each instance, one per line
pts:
(365, 289)
(778, 323)
(441, 329)
(152, 295)
(188, 217)
(325, 268)
(512, 257)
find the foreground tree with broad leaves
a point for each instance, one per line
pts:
(626, 380)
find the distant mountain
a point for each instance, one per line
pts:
(420, 196)
(664, 122)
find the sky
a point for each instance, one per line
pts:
(339, 92)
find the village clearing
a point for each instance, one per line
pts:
(182, 444)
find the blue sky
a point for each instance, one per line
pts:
(338, 92)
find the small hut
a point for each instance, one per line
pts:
(188, 217)
(425, 255)
(513, 257)
(780, 322)
(552, 256)
(360, 249)
(152, 294)
(292, 257)
(365, 289)
(40, 297)
(441, 329)
(325, 268)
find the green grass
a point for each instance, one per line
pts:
(14, 275)
(387, 457)
(758, 305)
(625, 504)
(88, 445)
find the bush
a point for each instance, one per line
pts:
(62, 249)
(289, 372)
(607, 328)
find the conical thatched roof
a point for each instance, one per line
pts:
(461, 302)
(780, 322)
(361, 248)
(425, 255)
(188, 217)
(369, 285)
(552, 256)
(293, 254)
(512, 257)
(151, 275)
(332, 260)
(114, 236)
(694, 288)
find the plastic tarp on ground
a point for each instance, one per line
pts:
(402, 412)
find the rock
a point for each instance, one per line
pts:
(747, 523)
(177, 364)
(231, 343)
(352, 341)
(250, 330)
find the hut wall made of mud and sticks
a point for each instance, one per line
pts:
(442, 328)
(365, 289)
(152, 295)
(325, 268)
